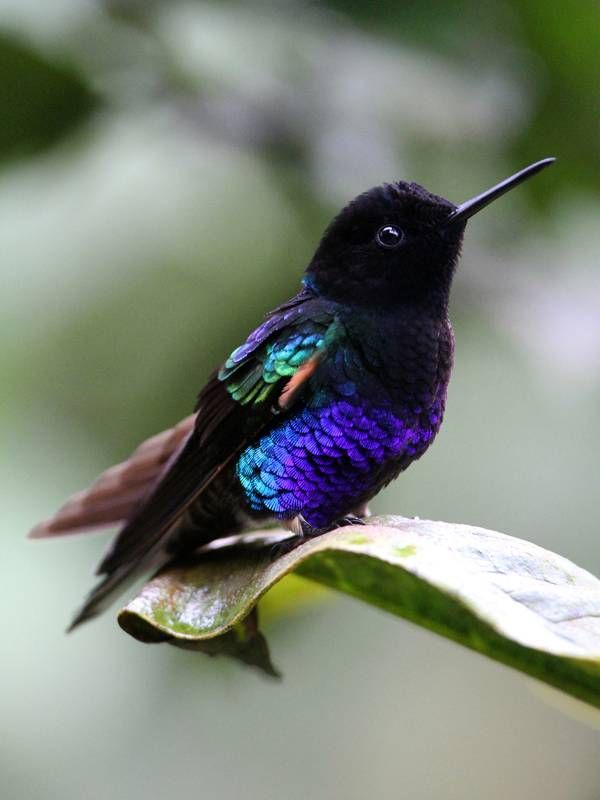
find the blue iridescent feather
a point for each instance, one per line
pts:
(324, 458)
(348, 438)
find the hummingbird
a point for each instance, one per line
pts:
(335, 394)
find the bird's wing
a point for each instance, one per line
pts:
(235, 405)
(260, 379)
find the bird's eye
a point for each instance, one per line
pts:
(389, 236)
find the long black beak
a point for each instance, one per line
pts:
(465, 210)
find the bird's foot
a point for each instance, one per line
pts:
(304, 531)
(309, 531)
(344, 522)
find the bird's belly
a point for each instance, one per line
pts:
(331, 456)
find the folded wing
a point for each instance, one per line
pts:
(167, 474)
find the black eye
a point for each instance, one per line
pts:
(389, 236)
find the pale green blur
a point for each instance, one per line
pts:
(165, 172)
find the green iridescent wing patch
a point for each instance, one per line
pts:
(253, 380)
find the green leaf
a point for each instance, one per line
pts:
(508, 599)
(41, 101)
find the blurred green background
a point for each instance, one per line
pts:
(165, 171)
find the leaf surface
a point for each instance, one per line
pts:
(506, 598)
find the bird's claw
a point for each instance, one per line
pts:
(340, 522)
(309, 532)
(349, 519)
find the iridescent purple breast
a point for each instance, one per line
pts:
(332, 455)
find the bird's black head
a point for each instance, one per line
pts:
(387, 247)
(397, 245)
